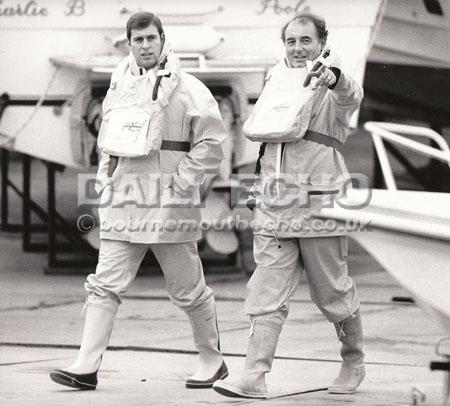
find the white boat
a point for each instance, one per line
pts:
(69, 46)
(415, 33)
(408, 68)
(408, 233)
(57, 59)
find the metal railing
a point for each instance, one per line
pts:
(397, 134)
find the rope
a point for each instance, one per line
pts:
(11, 138)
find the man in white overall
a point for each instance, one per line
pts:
(140, 203)
(317, 169)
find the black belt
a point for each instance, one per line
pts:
(309, 136)
(184, 146)
(324, 140)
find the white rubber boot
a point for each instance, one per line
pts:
(352, 371)
(206, 337)
(262, 344)
(82, 374)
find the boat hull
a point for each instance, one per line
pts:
(420, 265)
(408, 233)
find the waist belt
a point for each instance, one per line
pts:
(324, 140)
(184, 146)
(309, 136)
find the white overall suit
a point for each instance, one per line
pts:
(287, 240)
(140, 209)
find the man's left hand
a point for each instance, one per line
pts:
(325, 77)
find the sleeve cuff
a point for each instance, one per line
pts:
(337, 73)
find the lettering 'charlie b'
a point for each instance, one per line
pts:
(28, 9)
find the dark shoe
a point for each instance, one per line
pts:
(222, 373)
(79, 381)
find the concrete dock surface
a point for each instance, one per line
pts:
(151, 350)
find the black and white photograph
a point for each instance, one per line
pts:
(232, 202)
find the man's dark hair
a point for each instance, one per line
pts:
(318, 22)
(141, 20)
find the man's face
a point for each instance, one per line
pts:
(302, 43)
(146, 45)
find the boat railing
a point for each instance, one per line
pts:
(399, 134)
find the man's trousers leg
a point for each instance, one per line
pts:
(116, 269)
(334, 292)
(273, 282)
(185, 283)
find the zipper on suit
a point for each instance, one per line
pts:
(279, 163)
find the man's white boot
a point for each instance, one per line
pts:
(206, 338)
(262, 343)
(352, 370)
(82, 374)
